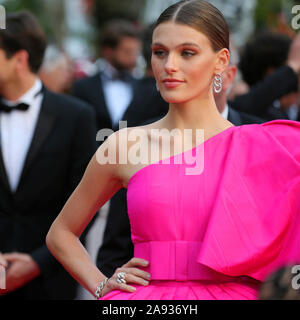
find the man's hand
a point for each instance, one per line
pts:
(3, 262)
(22, 269)
(294, 56)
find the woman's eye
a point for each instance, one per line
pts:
(159, 53)
(187, 53)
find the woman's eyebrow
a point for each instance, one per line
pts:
(187, 44)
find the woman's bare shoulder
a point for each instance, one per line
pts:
(133, 133)
(128, 142)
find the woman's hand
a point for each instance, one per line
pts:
(132, 275)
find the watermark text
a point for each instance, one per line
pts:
(2, 17)
(141, 146)
(296, 278)
(296, 18)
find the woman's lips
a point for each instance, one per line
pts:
(172, 83)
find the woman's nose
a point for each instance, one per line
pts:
(171, 65)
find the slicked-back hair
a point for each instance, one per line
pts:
(201, 16)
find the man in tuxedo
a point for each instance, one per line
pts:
(110, 91)
(270, 65)
(238, 118)
(47, 141)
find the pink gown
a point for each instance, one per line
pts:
(218, 234)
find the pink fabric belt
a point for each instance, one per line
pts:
(177, 260)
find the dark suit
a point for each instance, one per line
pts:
(63, 143)
(117, 247)
(146, 102)
(259, 100)
(239, 118)
(90, 89)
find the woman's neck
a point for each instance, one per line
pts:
(196, 114)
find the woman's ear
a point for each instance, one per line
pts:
(222, 61)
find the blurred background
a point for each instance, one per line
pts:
(74, 26)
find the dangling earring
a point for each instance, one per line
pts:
(218, 83)
(157, 87)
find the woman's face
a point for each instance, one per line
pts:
(184, 62)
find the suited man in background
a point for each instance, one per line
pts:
(47, 141)
(110, 91)
(270, 65)
(147, 103)
(237, 118)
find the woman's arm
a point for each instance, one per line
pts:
(99, 183)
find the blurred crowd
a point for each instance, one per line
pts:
(260, 84)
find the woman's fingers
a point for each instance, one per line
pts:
(136, 262)
(130, 277)
(112, 284)
(134, 271)
(137, 272)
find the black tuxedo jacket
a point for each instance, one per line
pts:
(146, 102)
(90, 89)
(62, 145)
(117, 247)
(258, 101)
(239, 118)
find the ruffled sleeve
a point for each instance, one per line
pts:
(254, 225)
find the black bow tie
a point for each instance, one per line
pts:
(5, 108)
(120, 75)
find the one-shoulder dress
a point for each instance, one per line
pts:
(220, 233)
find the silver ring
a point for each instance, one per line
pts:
(121, 277)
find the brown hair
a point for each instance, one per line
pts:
(115, 30)
(23, 32)
(201, 16)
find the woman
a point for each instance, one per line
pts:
(215, 234)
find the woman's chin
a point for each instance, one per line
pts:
(172, 99)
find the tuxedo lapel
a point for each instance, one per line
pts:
(96, 94)
(3, 174)
(43, 128)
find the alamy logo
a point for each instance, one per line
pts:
(2, 17)
(296, 19)
(296, 278)
(142, 150)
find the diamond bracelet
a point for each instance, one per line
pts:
(99, 289)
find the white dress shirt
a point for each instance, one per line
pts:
(117, 93)
(16, 133)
